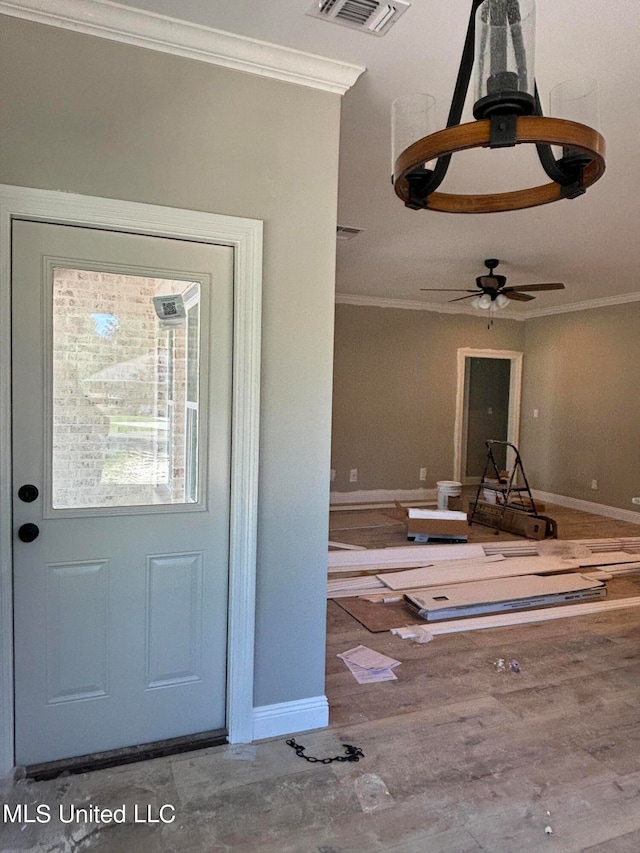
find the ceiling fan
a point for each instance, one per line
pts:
(491, 290)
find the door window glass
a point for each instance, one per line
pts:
(125, 376)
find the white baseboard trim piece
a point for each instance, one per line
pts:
(382, 496)
(287, 718)
(588, 506)
(524, 617)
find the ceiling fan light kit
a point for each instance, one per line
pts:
(507, 109)
(494, 293)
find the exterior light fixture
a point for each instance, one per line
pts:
(507, 112)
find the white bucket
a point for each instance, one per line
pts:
(447, 489)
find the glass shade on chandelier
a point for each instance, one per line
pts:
(412, 117)
(504, 57)
(500, 45)
(575, 100)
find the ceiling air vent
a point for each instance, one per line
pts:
(347, 232)
(375, 17)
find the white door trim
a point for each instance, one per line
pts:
(245, 236)
(515, 395)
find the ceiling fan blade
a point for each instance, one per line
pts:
(458, 298)
(551, 285)
(518, 297)
(449, 289)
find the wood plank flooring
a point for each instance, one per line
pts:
(479, 760)
(384, 527)
(458, 756)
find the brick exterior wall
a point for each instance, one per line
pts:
(118, 439)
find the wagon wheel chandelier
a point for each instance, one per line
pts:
(508, 112)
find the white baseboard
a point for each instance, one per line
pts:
(383, 496)
(287, 718)
(588, 506)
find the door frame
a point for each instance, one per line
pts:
(245, 237)
(515, 398)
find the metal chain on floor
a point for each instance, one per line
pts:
(352, 753)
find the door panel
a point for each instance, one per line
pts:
(486, 405)
(76, 638)
(174, 619)
(121, 418)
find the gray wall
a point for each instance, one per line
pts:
(581, 371)
(91, 116)
(395, 388)
(395, 392)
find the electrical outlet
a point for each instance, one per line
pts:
(535, 413)
(423, 474)
(333, 474)
(635, 500)
(353, 475)
(594, 484)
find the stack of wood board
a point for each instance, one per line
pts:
(525, 617)
(597, 546)
(388, 574)
(501, 595)
(405, 556)
(461, 571)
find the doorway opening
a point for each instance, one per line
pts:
(488, 395)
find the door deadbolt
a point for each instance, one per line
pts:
(28, 493)
(28, 532)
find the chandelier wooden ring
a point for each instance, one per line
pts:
(476, 134)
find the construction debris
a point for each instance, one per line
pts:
(449, 572)
(368, 666)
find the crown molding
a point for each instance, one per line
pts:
(604, 302)
(438, 307)
(414, 305)
(140, 28)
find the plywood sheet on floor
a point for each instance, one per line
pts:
(361, 520)
(376, 616)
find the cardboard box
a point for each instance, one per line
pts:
(515, 521)
(458, 503)
(436, 523)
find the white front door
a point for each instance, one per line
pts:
(122, 356)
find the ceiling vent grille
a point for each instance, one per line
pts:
(375, 17)
(347, 232)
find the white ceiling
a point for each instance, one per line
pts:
(589, 243)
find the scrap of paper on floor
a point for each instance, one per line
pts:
(368, 666)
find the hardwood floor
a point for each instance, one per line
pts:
(458, 757)
(384, 527)
(478, 760)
